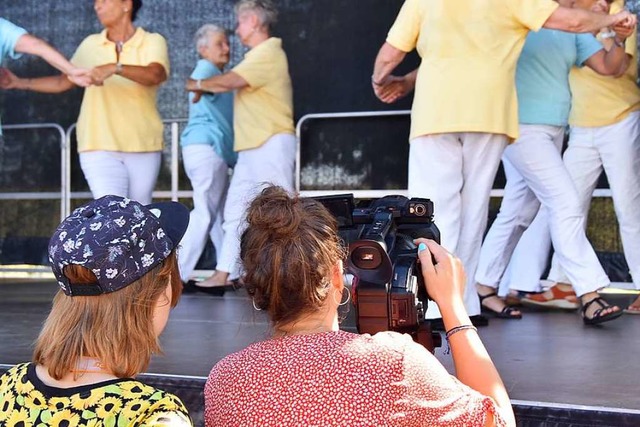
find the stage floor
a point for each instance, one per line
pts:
(547, 357)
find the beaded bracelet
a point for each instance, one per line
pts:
(455, 330)
(458, 329)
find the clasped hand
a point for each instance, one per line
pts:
(391, 89)
(625, 19)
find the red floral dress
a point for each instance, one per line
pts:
(340, 379)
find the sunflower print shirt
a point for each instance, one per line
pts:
(26, 401)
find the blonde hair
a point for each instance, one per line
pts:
(264, 9)
(116, 328)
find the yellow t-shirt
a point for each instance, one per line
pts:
(605, 100)
(121, 115)
(469, 51)
(265, 107)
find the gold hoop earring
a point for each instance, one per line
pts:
(348, 297)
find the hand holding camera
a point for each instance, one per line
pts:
(445, 281)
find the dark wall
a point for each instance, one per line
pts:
(331, 45)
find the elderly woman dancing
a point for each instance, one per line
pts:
(119, 127)
(207, 150)
(262, 122)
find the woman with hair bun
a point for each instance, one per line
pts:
(311, 373)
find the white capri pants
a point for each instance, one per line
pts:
(538, 175)
(456, 171)
(614, 149)
(271, 163)
(209, 176)
(131, 175)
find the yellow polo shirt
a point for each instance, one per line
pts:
(604, 100)
(469, 51)
(265, 107)
(121, 115)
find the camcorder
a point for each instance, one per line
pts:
(388, 288)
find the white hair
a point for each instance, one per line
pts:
(202, 35)
(264, 9)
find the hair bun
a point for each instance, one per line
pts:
(276, 212)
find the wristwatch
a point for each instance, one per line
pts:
(617, 42)
(119, 68)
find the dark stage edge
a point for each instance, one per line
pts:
(557, 371)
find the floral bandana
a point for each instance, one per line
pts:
(118, 239)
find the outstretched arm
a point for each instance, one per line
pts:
(52, 84)
(34, 46)
(217, 84)
(147, 75)
(584, 21)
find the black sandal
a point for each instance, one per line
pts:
(597, 318)
(506, 313)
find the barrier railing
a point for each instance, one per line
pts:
(328, 116)
(65, 195)
(64, 189)
(174, 145)
(496, 192)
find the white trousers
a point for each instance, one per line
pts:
(456, 171)
(539, 176)
(209, 176)
(271, 163)
(131, 175)
(616, 150)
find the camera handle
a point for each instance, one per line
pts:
(427, 338)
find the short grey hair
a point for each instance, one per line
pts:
(265, 9)
(202, 35)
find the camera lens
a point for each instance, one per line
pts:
(420, 209)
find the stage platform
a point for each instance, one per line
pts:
(558, 372)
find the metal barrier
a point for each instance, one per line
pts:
(328, 116)
(64, 166)
(174, 145)
(599, 192)
(65, 194)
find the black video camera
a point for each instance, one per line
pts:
(388, 288)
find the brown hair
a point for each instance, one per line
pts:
(288, 251)
(116, 328)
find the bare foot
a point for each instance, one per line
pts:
(634, 308)
(217, 279)
(496, 304)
